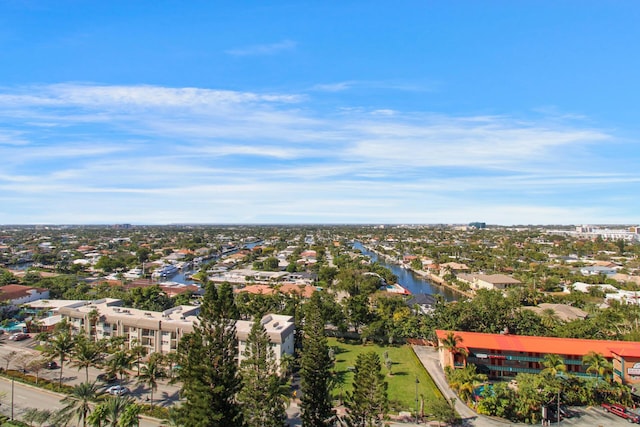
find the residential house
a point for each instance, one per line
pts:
(489, 281)
(15, 295)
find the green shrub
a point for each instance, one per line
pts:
(15, 423)
(159, 412)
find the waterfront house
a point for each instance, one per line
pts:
(15, 295)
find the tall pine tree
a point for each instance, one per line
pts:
(315, 368)
(208, 366)
(368, 403)
(261, 397)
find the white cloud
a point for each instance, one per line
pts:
(263, 49)
(334, 87)
(12, 138)
(203, 155)
(87, 95)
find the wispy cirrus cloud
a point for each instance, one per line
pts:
(90, 95)
(371, 84)
(263, 49)
(278, 156)
(334, 87)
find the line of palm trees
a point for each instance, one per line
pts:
(464, 381)
(553, 364)
(85, 402)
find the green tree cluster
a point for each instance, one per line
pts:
(368, 403)
(315, 368)
(208, 367)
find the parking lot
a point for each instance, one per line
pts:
(593, 417)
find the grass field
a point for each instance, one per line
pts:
(405, 368)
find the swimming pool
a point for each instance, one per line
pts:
(14, 326)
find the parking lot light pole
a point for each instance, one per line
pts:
(12, 398)
(417, 382)
(558, 405)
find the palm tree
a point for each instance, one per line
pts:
(286, 363)
(60, 345)
(115, 407)
(43, 416)
(138, 351)
(451, 343)
(152, 372)
(464, 381)
(93, 317)
(119, 363)
(549, 318)
(553, 365)
(99, 414)
(38, 416)
(116, 342)
(131, 416)
(30, 415)
(78, 402)
(597, 364)
(86, 354)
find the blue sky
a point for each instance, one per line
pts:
(155, 112)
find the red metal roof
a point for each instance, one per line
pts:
(535, 344)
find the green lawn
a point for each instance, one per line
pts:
(402, 384)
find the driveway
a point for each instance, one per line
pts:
(429, 358)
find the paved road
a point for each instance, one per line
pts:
(165, 395)
(25, 396)
(429, 358)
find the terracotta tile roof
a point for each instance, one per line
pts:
(535, 344)
(11, 292)
(257, 289)
(303, 290)
(288, 288)
(564, 312)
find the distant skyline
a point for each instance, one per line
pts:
(411, 112)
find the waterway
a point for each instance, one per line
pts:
(408, 279)
(179, 277)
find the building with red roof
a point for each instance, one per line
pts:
(506, 355)
(257, 290)
(15, 295)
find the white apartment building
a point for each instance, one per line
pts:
(591, 232)
(280, 330)
(161, 331)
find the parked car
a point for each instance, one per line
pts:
(51, 364)
(118, 390)
(19, 336)
(622, 412)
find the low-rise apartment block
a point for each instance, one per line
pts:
(160, 332)
(503, 356)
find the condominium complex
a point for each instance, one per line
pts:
(630, 234)
(158, 331)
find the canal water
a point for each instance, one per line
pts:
(408, 279)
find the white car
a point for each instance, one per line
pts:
(118, 390)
